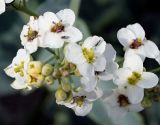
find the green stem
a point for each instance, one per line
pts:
(156, 70)
(21, 6)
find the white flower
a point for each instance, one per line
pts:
(31, 36)
(18, 69)
(134, 79)
(82, 101)
(3, 5)
(58, 28)
(133, 39)
(118, 104)
(89, 59)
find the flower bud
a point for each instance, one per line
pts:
(35, 80)
(146, 102)
(69, 97)
(60, 95)
(66, 87)
(47, 69)
(49, 80)
(56, 74)
(35, 67)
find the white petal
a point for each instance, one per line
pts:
(2, 6)
(149, 80)
(137, 30)
(32, 46)
(140, 52)
(110, 53)
(94, 95)
(71, 35)
(8, 1)
(18, 85)
(52, 40)
(67, 16)
(121, 76)
(135, 94)
(86, 69)
(135, 108)
(116, 113)
(158, 58)
(108, 74)
(100, 64)
(89, 83)
(51, 17)
(73, 53)
(97, 43)
(83, 110)
(151, 49)
(125, 37)
(10, 71)
(133, 62)
(111, 100)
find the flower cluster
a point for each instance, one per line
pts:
(89, 61)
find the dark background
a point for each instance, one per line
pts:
(96, 17)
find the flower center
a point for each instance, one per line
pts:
(123, 101)
(89, 54)
(134, 78)
(31, 35)
(79, 100)
(58, 27)
(136, 43)
(19, 68)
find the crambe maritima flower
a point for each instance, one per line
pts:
(82, 101)
(31, 36)
(89, 83)
(89, 58)
(118, 104)
(58, 28)
(134, 79)
(133, 39)
(18, 69)
(3, 5)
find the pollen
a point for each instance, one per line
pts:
(136, 43)
(134, 78)
(19, 68)
(58, 27)
(79, 100)
(31, 34)
(89, 54)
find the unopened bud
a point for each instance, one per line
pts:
(66, 87)
(35, 67)
(35, 80)
(69, 97)
(47, 69)
(146, 102)
(49, 80)
(60, 95)
(56, 74)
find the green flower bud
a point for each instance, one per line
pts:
(146, 102)
(66, 87)
(69, 97)
(49, 80)
(35, 67)
(60, 95)
(56, 74)
(47, 69)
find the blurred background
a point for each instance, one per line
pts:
(96, 17)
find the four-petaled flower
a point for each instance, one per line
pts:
(133, 39)
(58, 28)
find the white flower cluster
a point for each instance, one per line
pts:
(91, 61)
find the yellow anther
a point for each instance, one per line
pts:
(89, 54)
(134, 78)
